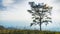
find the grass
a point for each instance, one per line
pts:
(26, 32)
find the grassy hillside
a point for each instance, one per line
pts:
(26, 32)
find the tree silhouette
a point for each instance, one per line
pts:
(41, 13)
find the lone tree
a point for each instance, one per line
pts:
(41, 13)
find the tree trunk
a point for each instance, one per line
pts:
(40, 22)
(40, 26)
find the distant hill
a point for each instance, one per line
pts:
(2, 27)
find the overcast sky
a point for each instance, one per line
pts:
(14, 12)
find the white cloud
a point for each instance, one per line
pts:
(16, 12)
(19, 12)
(7, 2)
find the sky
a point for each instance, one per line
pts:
(14, 13)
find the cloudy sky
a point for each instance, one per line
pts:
(14, 13)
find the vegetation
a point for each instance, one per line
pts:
(4, 30)
(40, 13)
(26, 32)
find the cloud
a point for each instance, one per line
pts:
(6, 4)
(17, 11)
(18, 1)
(2, 7)
(57, 1)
